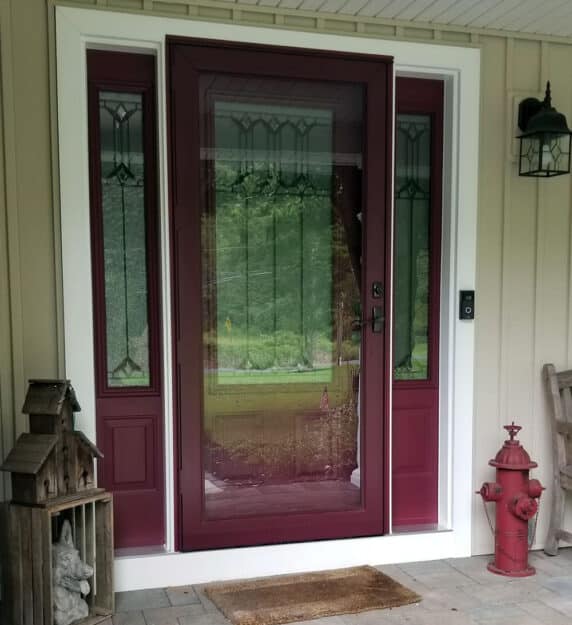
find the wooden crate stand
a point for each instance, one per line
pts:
(27, 534)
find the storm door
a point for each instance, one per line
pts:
(279, 189)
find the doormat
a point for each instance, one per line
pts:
(287, 598)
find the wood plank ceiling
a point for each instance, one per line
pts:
(543, 17)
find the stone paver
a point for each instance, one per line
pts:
(503, 615)
(207, 604)
(129, 618)
(544, 613)
(183, 595)
(209, 618)
(171, 616)
(454, 592)
(141, 599)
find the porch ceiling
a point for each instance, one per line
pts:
(541, 17)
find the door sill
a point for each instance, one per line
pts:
(134, 552)
(421, 528)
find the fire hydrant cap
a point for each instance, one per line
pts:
(512, 454)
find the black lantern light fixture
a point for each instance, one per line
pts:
(545, 139)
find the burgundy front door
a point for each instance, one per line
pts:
(416, 301)
(279, 178)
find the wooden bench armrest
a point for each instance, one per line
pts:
(564, 379)
(564, 428)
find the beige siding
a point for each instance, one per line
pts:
(523, 265)
(29, 337)
(524, 292)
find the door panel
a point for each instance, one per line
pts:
(279, 234)
(417, 260)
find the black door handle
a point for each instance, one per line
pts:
(377, 320)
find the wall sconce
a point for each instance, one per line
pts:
(545, 139)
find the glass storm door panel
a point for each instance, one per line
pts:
(416, 302)
(284, 385)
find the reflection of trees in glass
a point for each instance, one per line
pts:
(270, 238)
(124, 233)
(273, 272)
(412, 218)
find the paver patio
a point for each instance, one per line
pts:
(455, 592)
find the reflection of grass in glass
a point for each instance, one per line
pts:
(418, 369)
(141, 380)
(271, 358)
(275, 377)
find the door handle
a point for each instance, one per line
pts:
(376, 319)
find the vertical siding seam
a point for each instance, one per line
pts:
(14, 379)
(12, 215)
(504, 343)
(569, 279)
(55, 169)
(6, 405)
(538, 270)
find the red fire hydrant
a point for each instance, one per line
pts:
(516, 498)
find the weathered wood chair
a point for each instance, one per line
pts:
(559, 392)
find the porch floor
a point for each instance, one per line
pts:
(455, 592)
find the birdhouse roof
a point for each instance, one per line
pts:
(83, 438)
(48, 396)
(29, 453)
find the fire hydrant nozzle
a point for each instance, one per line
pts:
(524, 507)
(535, 488)
(490, 491)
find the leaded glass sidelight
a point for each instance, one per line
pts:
(412, 236)
(124, 238)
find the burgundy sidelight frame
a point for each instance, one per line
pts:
(131, 415)
(415, 410)
(187, 58)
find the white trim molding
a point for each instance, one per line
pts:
(78, 29)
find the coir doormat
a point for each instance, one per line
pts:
(274, 600)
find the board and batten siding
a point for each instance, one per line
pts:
(524, 254)
(524, 241)
(30, 286)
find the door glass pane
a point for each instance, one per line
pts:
(124, 233)
(281, 241)
(411, 265)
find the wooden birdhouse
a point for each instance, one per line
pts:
(53, 460)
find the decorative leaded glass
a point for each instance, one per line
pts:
(124, 238)
(411, 270)
(274, 240)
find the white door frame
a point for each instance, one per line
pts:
(79, 29)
